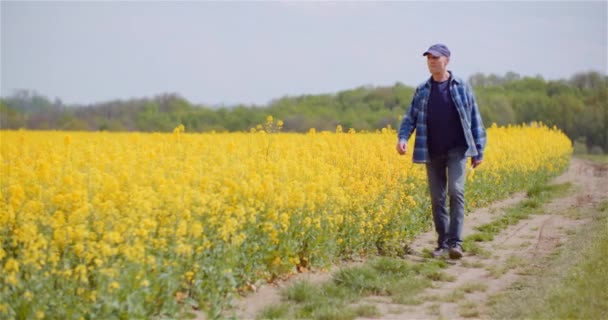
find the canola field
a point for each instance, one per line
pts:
(149, 225)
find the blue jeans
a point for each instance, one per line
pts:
(447, 172)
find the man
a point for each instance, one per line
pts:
(448, 130)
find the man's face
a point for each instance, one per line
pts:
(437, 65)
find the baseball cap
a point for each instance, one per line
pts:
(438, 50)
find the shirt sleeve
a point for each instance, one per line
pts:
(477, 128)
(408, 123)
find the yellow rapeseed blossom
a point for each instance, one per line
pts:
(11, 266)
(113, 286)
(84, 210)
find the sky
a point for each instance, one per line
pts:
(225, 53)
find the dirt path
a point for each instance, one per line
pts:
(514, 248)
(476, 277)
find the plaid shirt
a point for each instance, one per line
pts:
(464, 100)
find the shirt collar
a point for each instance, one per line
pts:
(452, 79)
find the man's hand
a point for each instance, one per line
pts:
(402, 147)
(475, 163)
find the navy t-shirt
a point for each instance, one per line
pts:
(443, 122)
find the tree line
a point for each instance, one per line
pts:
(578, 106)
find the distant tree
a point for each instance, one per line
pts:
(511, 76)
(527, 84)
(478, 80)
(67, 121)
(588, 80)
(594, 120)
(495, 107)
(10, 118)
(563, 111)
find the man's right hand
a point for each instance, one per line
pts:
(402, 147)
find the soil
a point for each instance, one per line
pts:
(516, 248)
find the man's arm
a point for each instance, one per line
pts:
(408, 122)
(477, 128)
(407, 126)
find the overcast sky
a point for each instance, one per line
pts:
(252, 52)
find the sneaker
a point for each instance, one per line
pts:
(456, 252)
(439, 252)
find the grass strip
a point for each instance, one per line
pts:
(338, 299)
(600, 158)
(571, 283)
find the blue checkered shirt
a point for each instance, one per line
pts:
(464, 100)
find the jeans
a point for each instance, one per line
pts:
(447, 170)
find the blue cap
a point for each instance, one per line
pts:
(438, 50)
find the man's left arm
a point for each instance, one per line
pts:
(477, 128)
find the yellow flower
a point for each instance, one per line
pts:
(81, 272)
(11, 279)
(67, 140)
(11, 266)
(189, 275)
(113, 286)
(93, 296)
